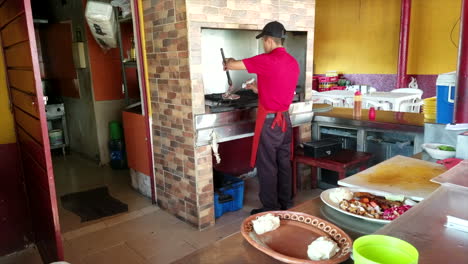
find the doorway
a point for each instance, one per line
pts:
(96, 115)
(29, 210)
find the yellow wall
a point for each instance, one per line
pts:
(7, 130)
(361, 36)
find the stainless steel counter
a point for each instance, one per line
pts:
(369, 125)
(237, 124)
(363, 127)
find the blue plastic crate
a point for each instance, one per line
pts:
(232, 186)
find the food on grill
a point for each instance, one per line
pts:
(373, 206)
(230, 96)
(244, 85)
(266, 223)
(339, 194)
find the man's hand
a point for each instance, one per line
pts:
(252, 86)
(232, 64)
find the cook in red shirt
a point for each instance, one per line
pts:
(277, 75)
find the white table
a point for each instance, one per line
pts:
(394, 98)
(334, 95)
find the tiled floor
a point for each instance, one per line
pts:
(27, 256)
(156, 236)
(74, 173)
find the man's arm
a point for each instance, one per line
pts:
(232, 64)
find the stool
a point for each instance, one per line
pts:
(340, 162)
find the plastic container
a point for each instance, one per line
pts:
(56, 137)
(115, 130)
(338, 88)
(435, 153)
(101, 22)
(315, 83)
(234, 187)
(372, 113)
(357, 105)
(322, 148)
(380, 249)
(324, 79)
(445, 97)
(118, 159)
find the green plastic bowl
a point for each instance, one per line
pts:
(379, 249)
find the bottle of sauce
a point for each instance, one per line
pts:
(372, 114)
(132, 50)
(357, 105)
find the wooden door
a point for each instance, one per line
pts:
(24, 80)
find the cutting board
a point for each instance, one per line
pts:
(398, 175)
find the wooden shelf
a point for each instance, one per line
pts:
(125, 20)
(130, 64)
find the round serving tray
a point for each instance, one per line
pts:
(289, 242)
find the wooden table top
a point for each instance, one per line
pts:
(235, 249)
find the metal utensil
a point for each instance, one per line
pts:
(227, 72)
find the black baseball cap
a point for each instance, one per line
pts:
(273, 29)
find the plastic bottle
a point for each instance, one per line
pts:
(372, 113)
(132, 50)
(118, 159)
(357, 105)
(117, 155)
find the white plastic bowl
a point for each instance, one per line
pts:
(435, 153)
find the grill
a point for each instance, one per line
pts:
(217, 104)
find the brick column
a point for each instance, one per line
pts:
(183, 172)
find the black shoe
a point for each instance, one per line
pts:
(259, 210)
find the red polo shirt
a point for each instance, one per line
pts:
(277, 75)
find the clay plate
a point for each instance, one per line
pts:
(289, 242)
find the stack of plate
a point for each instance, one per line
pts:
(430, 110)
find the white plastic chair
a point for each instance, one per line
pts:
(326, 100)
(356, 88)
(353, 88)
(419, 92)
(412, 107)
(334, 102)
(377, 105)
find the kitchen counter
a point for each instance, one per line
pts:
(408, 126)
(381, 117)
(231, 125)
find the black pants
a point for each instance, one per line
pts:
(274, 166)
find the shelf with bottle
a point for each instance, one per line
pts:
(130, 61)
(125, 19)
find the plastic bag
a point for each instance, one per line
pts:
(101, 22)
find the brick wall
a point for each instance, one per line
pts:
(184, 180)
